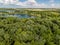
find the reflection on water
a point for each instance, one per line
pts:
(17, 15)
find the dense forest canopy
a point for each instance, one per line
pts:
(44, 29)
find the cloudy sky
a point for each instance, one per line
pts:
(29, 3)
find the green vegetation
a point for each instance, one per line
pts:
(44, 29)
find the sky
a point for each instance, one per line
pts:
(29, 3)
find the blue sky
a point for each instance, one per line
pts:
(29, 3)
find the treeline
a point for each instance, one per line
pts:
(13, 11)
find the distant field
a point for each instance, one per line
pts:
(26, 10)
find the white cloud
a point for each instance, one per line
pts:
(1, 1)
(52, 5)
(17, 2)
(31, 1)
(28, 3)
(55, 5)
(51, 1)
(9, 1)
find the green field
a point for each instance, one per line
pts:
(43, 29)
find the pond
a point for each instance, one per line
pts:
(18, 16)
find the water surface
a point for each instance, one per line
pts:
(17, 15)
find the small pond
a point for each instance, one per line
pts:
(18, 16)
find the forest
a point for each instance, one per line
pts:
(43, 29)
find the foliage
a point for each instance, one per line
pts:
(44, 29)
